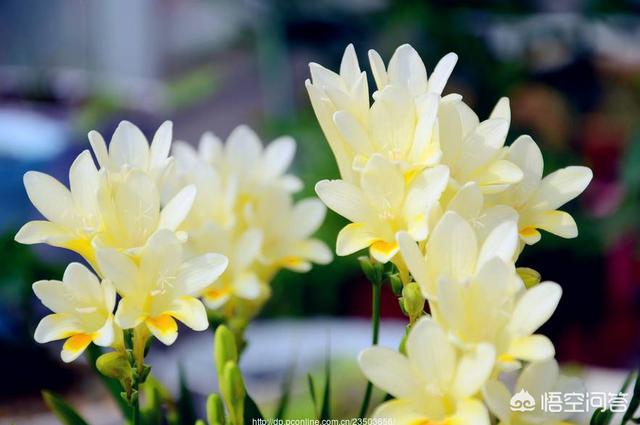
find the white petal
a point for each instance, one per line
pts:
(40, 231)
(105, 335)
(129, 313)
(559, 223)
(532, 348)
(441, 72)
(378, 69)
(399, 412)
(191, 312)
(470, 412)
(164, 328)
(473, 370)
(406, 67)
(349, 67)
(431, 354)
(177, 209)
(128, 147)
(345, 199)
(160, 146)
(200, 272)
(248, 286)
(538, 377)
(83, 179)
(210, 147)
(278, 156)
(53, 295)
(498, 398)
(137, 205)
(247, 248)
(119, 269)
(502, 109)
(560, 187)
(83, 284)
(425, 190)
(534, 308)
(467, 202)
(99, 148)
(382, 182)
(244, 149)
(525, 153)
(501, 242)
(354, 237)
(452, 248)
(56, 326)
(389, 370)
(307, 216)
(51, 198)
(314, 250)
(74, 347)
(353, 132)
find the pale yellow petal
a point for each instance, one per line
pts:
(56, 326)
(128, 147)
(560, 187)
(191, 312)
(389, 370)
(534, 308)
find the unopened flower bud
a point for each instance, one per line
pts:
(215, 410)
(372, 269)
(529, 276)
(225, 349)
(233, 392)
(413, 300)
(396, 284)
(114, 364)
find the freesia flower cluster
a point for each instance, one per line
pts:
(429, 187)
(163, 233)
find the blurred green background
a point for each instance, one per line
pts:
(571, 69)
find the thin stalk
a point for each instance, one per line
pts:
(375, 330)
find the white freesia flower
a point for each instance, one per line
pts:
(400, 124)
(435, 382)
(536, 379)
(287, 230)
(382, 205)
(161, 287)
(119, 210)
(473, 150)
(475, 294)
(245, 210)
(537, 199)
(241, 279)
(129, 148)
(82, 311)
(453, 252)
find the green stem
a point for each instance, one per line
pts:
(135, 409)
(375, 330)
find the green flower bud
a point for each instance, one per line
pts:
(200, 422)
(396, 284)
(413, 300)
(529, 276)
(233, 392)
(225, 349)
(114, 364)
(215, 410)
(372, 269)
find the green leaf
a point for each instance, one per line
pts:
(251, 410)
(200, 422)
(604, 416)
(152, 410)
(286, 392)
(326, 396)
(635, 400)
(186, 410)
(65, 413)
(312, 392)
